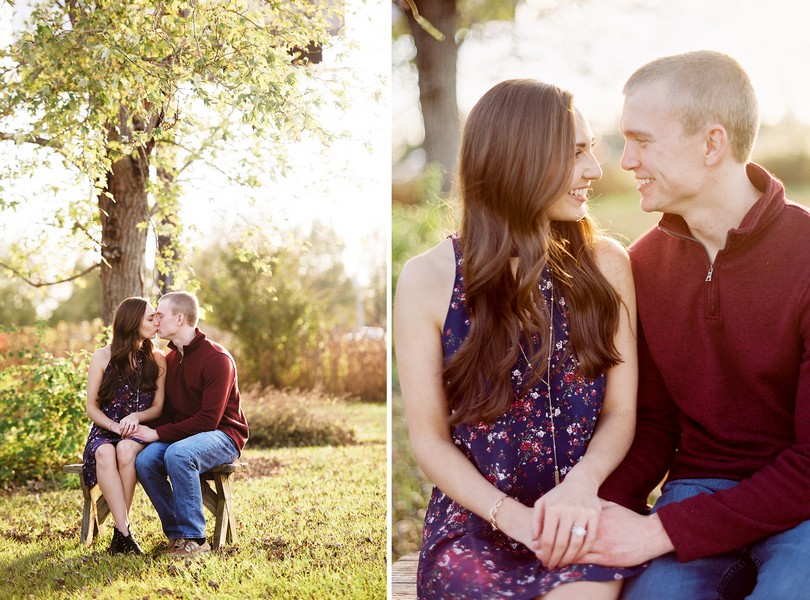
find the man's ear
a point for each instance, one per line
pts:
(716, 139)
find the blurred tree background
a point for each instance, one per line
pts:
(126, 97)
(467, 46)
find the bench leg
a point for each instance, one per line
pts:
(219, 503)
(94, 513)
(89, 526)
(225, 511)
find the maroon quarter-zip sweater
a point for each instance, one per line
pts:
(202, 389)
(724, 385)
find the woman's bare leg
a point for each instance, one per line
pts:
(586, 590)
(126, 451)
(111, 486)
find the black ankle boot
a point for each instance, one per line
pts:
(122, 544)
(115, 545)
(129, 545)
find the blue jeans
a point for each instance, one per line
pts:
(179, 503)
(778, 563)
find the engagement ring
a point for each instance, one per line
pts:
(577, 530)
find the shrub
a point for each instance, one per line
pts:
(59, 340)
(43, 422)
(280, 419)
(354, 364)
(291, 307)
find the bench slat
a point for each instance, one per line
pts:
(403, 577)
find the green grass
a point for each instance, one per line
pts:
(798, 193)
(621, 216)
(368, 420)
(311, 524)
(410, 488)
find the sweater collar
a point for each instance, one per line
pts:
(199, 338)
(758, 216)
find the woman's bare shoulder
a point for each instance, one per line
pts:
(614, 262)
(425, 284)
(102, 354)
(160, 358)
(101, 358)
(430, 268)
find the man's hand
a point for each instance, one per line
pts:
(146, 434)
(626, 539)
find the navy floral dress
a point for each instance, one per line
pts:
(462, 555)
(129, 398)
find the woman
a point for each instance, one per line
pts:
(534, 294)
(125, 387)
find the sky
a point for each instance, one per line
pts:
(591, 47)
(346, 185)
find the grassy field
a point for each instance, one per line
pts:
(410, 488)
(312, 524)
(621, 216)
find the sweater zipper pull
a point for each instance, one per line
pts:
(709, 274)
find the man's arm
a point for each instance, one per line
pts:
(771, 501)
(218, 375)
(656, 438)
(624, 537)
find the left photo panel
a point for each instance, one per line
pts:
(194, 276)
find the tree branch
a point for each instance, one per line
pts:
(27, 138)
(83, 229)
(39, 284)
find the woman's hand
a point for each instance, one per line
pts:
(515, 520)
(128, 426)
(564, 522)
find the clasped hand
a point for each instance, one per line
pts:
(558, 521)
(128, 427)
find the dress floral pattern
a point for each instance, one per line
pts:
(128, 398)
(462, 556)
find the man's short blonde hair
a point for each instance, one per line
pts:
(706, 87)
(184, 303)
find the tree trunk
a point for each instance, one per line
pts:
(436, 63)
(168, 250)
(124, 219)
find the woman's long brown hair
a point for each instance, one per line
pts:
(125, 347)
(517, 159)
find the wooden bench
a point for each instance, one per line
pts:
(218, 500)
(403, 577)
(403, 580)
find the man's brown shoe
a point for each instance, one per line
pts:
(190, 548)
(173, 545)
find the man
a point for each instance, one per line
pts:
(208, 427)
(723, 287)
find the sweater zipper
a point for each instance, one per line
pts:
(711, 290)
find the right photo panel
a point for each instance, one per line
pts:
(600, 264)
